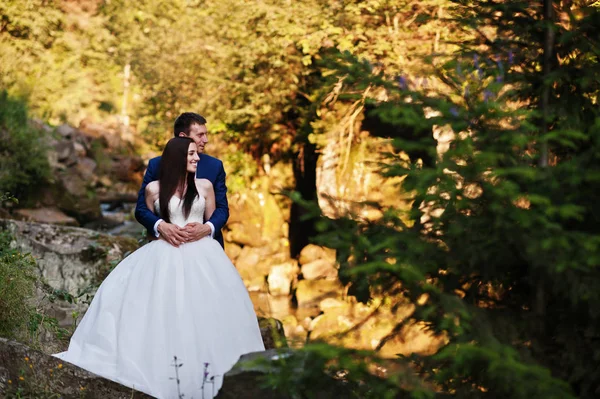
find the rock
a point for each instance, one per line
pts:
(272, 333)
(333, 305)
(46, 215)
(414, 338)
(241, 382)
(253, 265)
(66, 131)
(105, 181)
(245, 234)
(79, 149)
(247, 262)
(128, 169)
(329, 324)
(65, 153)
(312, 252)
(233, 251)
(255, 218)
(68, 258)
(245, 208)
(272, 218)
(51, 377)
(320, 268)
(117, 197)
(290, 323)
(74, 196)
(312, 292)
(372, 215)
(86, 168)
(282, 277)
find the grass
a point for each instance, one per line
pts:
(17, 285)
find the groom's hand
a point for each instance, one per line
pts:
(172, 233)
(196, 231)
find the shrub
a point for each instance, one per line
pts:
(17, 286)
(23, 160)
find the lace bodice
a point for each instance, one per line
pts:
(176, 210)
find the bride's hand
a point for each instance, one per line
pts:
(195, 231)
(172, 234)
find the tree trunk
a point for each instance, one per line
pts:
(305, 175)
(539, 304)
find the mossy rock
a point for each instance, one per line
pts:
(272, 333)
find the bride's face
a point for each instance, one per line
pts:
(192, 158)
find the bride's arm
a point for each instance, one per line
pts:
(151, 194)
(205, 188)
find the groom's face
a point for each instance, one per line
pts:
(199, 134)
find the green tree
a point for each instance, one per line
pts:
(256, 71)
(57, 55)
(501, 252)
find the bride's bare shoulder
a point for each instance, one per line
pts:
(203, 185)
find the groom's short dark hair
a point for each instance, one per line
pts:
(185, 121)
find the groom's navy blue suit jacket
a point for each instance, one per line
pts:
(208, 168)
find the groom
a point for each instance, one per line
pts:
(193, 126)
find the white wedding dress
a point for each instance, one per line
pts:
(162, 302)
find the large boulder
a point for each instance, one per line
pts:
(312, 292)
(254, 265)
(45, 215)
(256, 220)
(68, 258)
(282, 278)
(85, 171)
(38, 375)
(320, 268)
(243, 381)
(312, 252)
(247, 265)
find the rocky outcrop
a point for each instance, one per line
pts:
(68, 258)
(72, 259)
(243, 380)
(256, 220)
(86, 167)
(38, 375)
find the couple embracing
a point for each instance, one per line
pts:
(178, 296)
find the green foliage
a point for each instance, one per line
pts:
(501, 252)
(324, 371)
(57, 56)
(23, 161)
(17, 286)
(241, 169)
(19, 317)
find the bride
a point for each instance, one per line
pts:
(163, 302)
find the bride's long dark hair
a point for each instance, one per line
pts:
(173, 175)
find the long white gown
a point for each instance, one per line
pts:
(162, 302)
